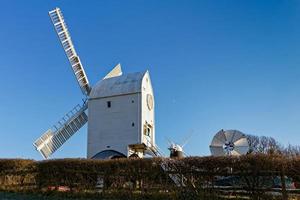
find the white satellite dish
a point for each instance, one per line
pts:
(230, 142)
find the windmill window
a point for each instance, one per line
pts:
(132, 101)
(108, 104)
(132, 124)
(148, 131)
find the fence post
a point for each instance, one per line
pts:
(283, 185)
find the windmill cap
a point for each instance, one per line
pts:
(119, 85)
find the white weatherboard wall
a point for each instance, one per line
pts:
(124, 122)
(147, 117)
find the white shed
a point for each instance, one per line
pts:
(121, 116)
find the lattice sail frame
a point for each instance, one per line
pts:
(54, 138)
(64, 36)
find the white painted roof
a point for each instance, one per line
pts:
(119, 85)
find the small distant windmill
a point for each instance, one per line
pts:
(176, 150)
(120, 110)
(230, 142)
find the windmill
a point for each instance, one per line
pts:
(176, 149)
(119, 109)
(230, 142)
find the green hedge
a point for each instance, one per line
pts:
(13, 165)
(83, 173)
(133, 176)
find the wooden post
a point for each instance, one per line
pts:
(283, 185)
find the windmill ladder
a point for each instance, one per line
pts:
(168, 165)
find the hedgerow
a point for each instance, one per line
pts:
(198, 176)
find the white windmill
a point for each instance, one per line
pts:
(120, 110)
(230, 142)
(176, 149)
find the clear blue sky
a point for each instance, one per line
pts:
(214, 64)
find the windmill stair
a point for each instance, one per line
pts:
(168, 165)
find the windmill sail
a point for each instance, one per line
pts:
(230, 142)
(65, 39)
(51, 140)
